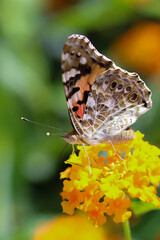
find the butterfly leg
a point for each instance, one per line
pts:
(88, 159)
(73, 150)
(114, 150)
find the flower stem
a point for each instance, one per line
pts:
(127, 231)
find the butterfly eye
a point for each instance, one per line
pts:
(113, 85)
(128, 89)
(133, 97)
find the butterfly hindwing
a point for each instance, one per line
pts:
(115, 102)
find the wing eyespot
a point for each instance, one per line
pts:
(133, 97)
(128, 88)
(113, 85)
(120, 86)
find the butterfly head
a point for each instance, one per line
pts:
(73, 137)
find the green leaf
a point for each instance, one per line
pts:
(140, 208)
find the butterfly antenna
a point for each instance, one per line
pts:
(52, 134)
(41, 124)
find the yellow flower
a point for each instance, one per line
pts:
(113, 182)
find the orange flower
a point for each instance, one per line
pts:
(67, 227)
(113, 182)
(139, 47)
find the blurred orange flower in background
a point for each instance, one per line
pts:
(113, 182)
(67, 227)
(139, 47)
(59, 5)
(74, 227)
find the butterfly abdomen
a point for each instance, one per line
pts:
(124, 136)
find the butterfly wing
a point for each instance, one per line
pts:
(116, 100)
(102, 99)
(81, 65)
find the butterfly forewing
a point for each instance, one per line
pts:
(81, 65)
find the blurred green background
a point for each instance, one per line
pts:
(32, 35)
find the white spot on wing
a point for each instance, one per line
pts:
(83, 60)
(75, 97)
(64, 77)
(69, 103)
(66, 90)
(64, 56)
(72, 73)
(67, 76)
(78, 54)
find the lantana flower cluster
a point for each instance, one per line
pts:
(113, 181)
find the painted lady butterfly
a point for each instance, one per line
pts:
(103, 99)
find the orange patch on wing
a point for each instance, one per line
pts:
(96, 70)
(80, 111)
(84, 85)
(87, 80)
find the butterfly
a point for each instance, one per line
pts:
(103, 100)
